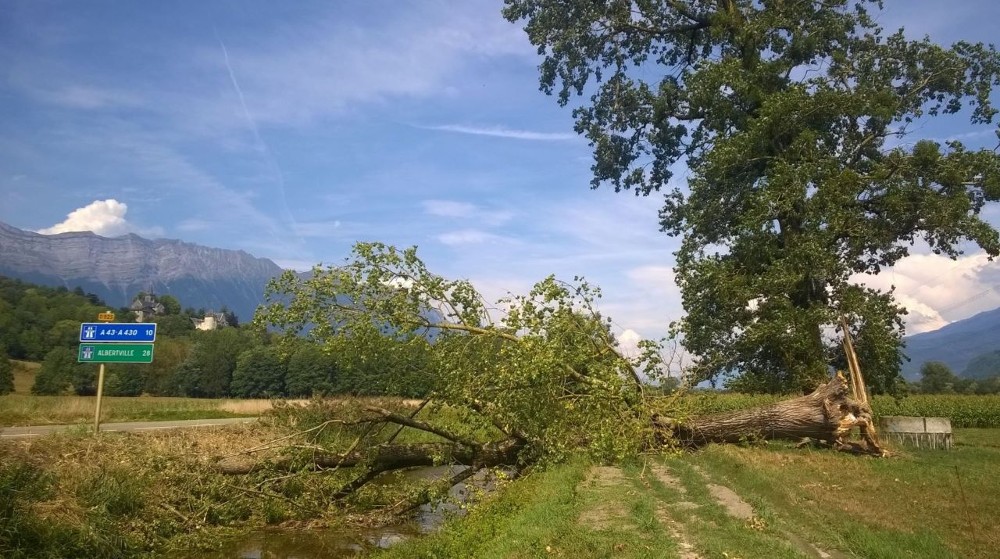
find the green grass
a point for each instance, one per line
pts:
(537, 517)
(916, 504)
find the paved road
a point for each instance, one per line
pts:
(135, 426)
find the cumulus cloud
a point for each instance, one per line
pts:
(102, 217)
(937, 290)
(628, 343)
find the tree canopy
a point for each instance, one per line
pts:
(796, 122)
(545, 373)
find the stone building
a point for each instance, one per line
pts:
(146, 307)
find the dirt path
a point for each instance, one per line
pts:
(604, 493)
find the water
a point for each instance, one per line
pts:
(317, 544)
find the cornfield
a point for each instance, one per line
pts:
(964, 411)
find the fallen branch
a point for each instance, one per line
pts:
(420, 425)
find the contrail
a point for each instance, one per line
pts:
(262, 145)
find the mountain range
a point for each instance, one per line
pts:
(957, 345)
(118, 268)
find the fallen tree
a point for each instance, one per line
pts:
(827, 415)
(544, 380)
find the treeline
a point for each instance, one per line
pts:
(43, 324)
(937, 378)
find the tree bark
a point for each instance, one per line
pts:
(827, 414)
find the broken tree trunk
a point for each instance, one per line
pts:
(827, 414)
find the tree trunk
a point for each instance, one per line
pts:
(827, 414)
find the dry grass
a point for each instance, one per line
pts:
(27, 409)
(24, 375)
(24, 409)
(151, 491)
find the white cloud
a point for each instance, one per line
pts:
(502, 132)
(465, 210)
(317, 228)
(655, 279)
(328, 66)
(88, 97)
(194, 225)
(469, 236)
(937, 290)
(448, 208)
(628, 343)
(102, 217)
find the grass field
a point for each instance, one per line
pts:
(24, 408)
(116, 495)
(729, 502)
(24, 375)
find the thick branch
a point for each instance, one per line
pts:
(417, 424)
(388, 457)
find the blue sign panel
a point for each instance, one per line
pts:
(118, 332)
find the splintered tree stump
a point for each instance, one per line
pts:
(827, 414)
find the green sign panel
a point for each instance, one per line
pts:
(115, 353)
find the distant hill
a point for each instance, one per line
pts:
(985, 365)
(116, 269)
(956, 344)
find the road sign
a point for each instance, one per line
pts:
(106, 316)
(118, 332)
(115, 353)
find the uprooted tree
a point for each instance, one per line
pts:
(543, 379)
(796, 121)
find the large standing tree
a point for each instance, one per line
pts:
(794, 118)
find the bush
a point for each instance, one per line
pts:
(6, 374)
(310, 372)
(128, 380)
(56, 374)
(259, 374)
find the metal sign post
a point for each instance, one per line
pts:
(109, 342)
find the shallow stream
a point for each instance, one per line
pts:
(327, 543)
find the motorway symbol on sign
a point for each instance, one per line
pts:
(118, 332)
(115, 353)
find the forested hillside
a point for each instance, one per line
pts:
(42, 324)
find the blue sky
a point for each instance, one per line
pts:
(291, 130)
